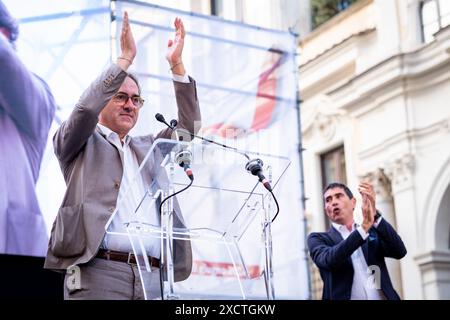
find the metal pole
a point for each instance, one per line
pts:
(267, 236)
(302, 179)
(169, 232)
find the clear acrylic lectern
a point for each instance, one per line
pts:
(213, 239)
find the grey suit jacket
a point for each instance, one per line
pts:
(93, 171)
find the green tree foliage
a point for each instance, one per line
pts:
(324, 10)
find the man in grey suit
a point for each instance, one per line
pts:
(99, 159)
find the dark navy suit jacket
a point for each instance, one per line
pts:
(332, 255)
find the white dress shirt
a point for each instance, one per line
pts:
(360, 288)
(131, 192)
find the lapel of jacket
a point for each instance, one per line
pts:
(337, 238)
(138, 149)
(335, 235)
(100, 132)
(97, 128)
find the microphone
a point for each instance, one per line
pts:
(161, 118)
(183, 157)
(255, 168)
(173, 123)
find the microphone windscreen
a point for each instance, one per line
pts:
(160, 117)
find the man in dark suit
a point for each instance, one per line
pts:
(350, 257)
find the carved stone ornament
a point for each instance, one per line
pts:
(400, 171)
(324, 119)
(325, 125)
(380, 182)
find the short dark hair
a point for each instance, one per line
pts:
(339, 185)
(135, 79)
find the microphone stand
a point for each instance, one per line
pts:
(167, 219)
(254, 166)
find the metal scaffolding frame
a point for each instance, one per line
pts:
(108, 8)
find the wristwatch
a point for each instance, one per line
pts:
(377, 215)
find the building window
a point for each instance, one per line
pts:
(435, 15)
(217, 8)
(333, 170)
(324, 10)
(230, 9)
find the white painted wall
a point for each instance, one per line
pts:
(391, 111)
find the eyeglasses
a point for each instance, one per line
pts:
(122, 98)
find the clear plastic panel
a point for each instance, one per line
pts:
(220, 217)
